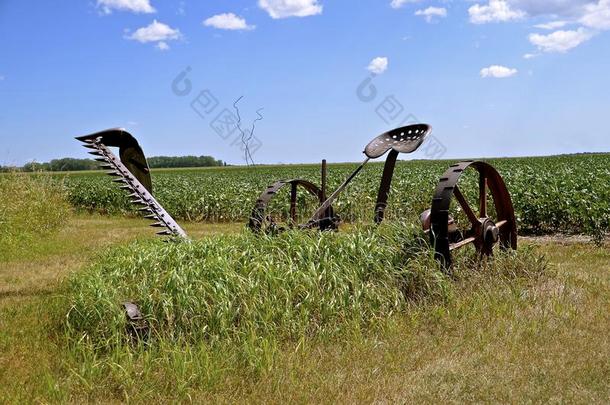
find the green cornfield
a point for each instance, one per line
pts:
(559, 194)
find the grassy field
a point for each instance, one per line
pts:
(565, 194)
(495, 339)
(364, 315)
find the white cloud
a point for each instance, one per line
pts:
(156, 32)
(400, 3)
(597, 16)
(136, 6)
(228, 21)
(553, 25)
(498, 72)
(560, 41)
(162, 46)
(431, 13)
(592, 16)
(378, 65)
(494, 11)
(564, 8)
(530, 55)
(290, 8)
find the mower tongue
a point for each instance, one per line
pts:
(403, 140)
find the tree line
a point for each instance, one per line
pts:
(72, 164)
(183, 161)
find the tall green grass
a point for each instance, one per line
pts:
(229, 287)
(31, 207)
(234, 299)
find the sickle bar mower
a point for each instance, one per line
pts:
(488, 225)
(132, 172)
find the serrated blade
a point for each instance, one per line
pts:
(137, 192)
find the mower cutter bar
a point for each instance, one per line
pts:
(137, 192)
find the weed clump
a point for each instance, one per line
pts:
(239, 288)
(31, 207)
(231, 305)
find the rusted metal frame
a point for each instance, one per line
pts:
(447, 188)
(399, 140)
(462, 243)
(482, 196)
(503, 205)
(405, 139)
(323, 179)
(474, 220)
(258, 215)
(318, 215)
(439, 216)
(293, 204)
(130, 152)
(385, 185)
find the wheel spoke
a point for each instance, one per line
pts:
(465, 206)
(482, 196)
(465, 242)
(293, 204)
(501, 223)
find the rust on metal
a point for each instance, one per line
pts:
(130, 152)
(323, 179)
(400, 140)
(483, 232)
(136, 323)
(260, 220)
(384, 186)
(405, 139)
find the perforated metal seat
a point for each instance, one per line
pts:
(403, 140)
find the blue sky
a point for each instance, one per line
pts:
(493, 78)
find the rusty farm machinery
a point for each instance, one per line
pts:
(490, 223)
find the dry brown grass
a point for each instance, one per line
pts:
(546, 343)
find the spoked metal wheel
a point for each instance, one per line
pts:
(487, 225)
(263, 220)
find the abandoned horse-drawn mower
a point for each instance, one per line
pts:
(482, 231)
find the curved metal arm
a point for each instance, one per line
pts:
(130, 152)
(129, 170)
(329, 201)
(384, 186)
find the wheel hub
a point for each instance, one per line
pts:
(484, 232)
(490, 232)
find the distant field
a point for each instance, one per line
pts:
(561, 194)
